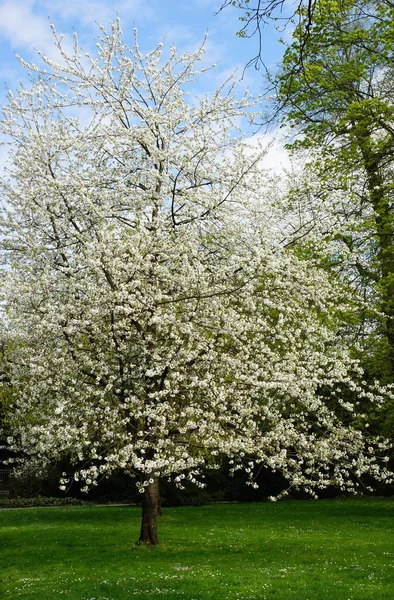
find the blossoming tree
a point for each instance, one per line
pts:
(162, 326)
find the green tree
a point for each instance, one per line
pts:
(340, 99)
(255, 16)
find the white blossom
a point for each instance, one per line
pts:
(162, 325)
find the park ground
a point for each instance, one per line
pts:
(304, 550)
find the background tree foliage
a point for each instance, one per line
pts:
(340, 99)
(256, 15)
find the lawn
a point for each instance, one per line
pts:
(311, 550)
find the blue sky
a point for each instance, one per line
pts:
(24, 27)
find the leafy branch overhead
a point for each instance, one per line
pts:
(256, 15)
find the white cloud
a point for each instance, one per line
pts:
(22, 28)
(89, 13)
(25, 30)
(276, 158)
(25, 24)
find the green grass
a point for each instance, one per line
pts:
(324, 550)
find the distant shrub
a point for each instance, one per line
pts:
(38, 501)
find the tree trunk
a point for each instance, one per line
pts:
(384, 222)
(150, 510)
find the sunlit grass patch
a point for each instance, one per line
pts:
(325, 550)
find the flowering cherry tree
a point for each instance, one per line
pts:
(162, 326)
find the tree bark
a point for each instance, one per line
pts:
(150, 510)
(384, 223)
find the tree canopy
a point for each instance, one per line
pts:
(159, 324)
(255, 16)
(340, 99)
